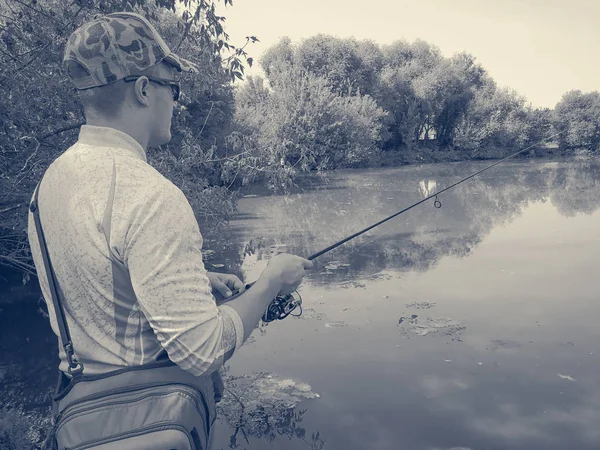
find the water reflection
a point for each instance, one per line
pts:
(435, 386)
(515, 399)
(285, 424)
(340, 205)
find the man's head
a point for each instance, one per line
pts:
(124, 73)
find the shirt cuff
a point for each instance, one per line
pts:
(237, 323)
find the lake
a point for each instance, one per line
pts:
(470, 326)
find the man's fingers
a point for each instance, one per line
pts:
(222, 288)
(234, 283)
(307, 264)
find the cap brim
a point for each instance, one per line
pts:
(182, 65)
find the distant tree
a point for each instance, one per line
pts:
(436, 91)
(252, 92)
(455, 82)
(540, 125)
(277, 56)
(302, 124)
(350, 66)
(578, 114)
(407, 114)
(496, 118)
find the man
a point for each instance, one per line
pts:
(123, 241)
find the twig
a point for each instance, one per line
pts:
(10, 208)
(16, 262)
(205, 120)
(37, 11)
(237, 398)
(60, 130)
(28, 51)
(37, 146)
(34, 57)
(227, 158)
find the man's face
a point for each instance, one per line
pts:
(162, 107)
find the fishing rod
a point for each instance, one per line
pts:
(284, 305)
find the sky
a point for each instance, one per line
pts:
(540, 48)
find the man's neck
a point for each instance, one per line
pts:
(121, 126)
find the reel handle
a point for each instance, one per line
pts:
(279, 308)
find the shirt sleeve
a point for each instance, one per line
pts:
(162, 251)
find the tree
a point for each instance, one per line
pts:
(40, 111)
(495, 119)
(578, 114)
(302, 124)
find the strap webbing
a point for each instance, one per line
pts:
(75, 367)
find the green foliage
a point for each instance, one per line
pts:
(40, 111)
(302, 124)
(579, 115)
(25, 430)
(496, 118)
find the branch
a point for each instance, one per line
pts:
(34, 57)
(15, 262)
(60, 130)
(37, 146)
(36, 10)
(10, 208)
(206, 120)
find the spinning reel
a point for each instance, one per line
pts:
(282, 306)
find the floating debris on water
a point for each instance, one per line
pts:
(310, 313)
(335, 265)
(566, 377)
(263, 403)
(504, 344)
(447, 360)
(402, 319)
(421, 305)
(218, 266)
(430, 325)
(336, 324)
(250, 195)
(352, 284)
(208, 253)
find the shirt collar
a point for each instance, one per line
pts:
(110, 137)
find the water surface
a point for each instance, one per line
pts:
(503, 352)
(471, 326)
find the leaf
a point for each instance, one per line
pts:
(249, 60)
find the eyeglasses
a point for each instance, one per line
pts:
(175, 87)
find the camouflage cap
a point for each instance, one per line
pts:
(111, 47)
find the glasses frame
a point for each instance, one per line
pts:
(175, 86)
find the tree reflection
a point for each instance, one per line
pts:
(263, 406)
(261, 425)
(332, 209)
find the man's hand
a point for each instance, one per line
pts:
(288, 270)
(225, 283)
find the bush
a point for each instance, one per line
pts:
(301, 125)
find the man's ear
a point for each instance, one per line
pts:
(141, 88)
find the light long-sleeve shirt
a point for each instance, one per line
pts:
(125, 247)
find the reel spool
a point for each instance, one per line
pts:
(282, 306)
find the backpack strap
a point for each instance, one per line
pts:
(75, 367)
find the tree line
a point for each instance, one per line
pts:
(324, 103)
(330, 102)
